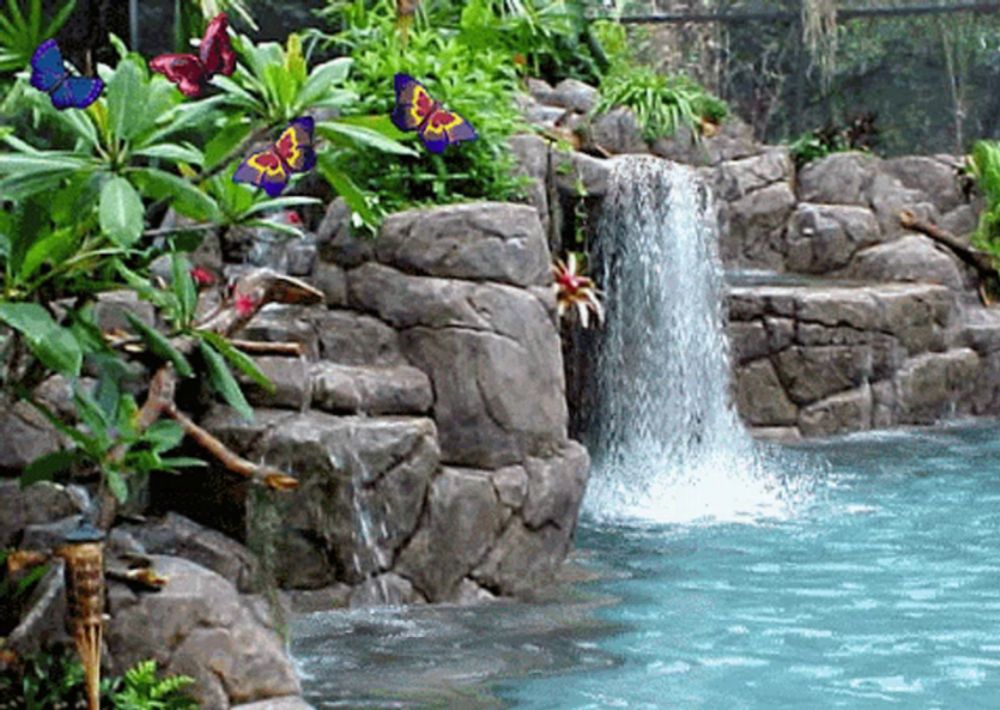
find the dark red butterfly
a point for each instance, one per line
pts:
(191, 73)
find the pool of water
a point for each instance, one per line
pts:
(881, 589)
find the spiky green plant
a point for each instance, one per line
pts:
(22, 30)
(984, 164)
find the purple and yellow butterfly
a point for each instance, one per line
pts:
(292, 153)
(49, 74)
(417, 111)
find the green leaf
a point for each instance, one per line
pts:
(346, 188)
(52, 344)
(121, 212)
(48, 162)
(183, 287)
(223, 381)
(223, 143)
(126, 94)
(182, 462)
(54, 247)
(240, 360)
(324, 76)
(164, 435)
(186, 198)
(278, 203)
(47, 467)
(360, 136)
(159, 344)
(117, 485)
(173, 152)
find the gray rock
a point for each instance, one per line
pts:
(573, 94)
(540, 90)
(111, 308)
(555, 488)
(618, 131)
(291, 380)
(749, 340)
(302, 257)
(823, 238)
(842, 412)
(27, 435)
(776, 434)
(734, 141)
(760, 398)
(43, 625)
(511, 484)
(757, 221)
(332, 281)
(178, 536)
(523, 560)
(469, 593)
(934, 178)
(888, 197)
(352, 338)
(50, 535)
(838, 179)
(738, 178)
(372, 390)
(961, 221)
(542, 115)
(493, 241)
(337, 242)
(278, 323)
(39, 503)
(198, 626)
(289, 702)
(387, 589)
(579, 174)
(930, 385)
(307, 601)
(532, 161)
(812, 373)
(462, 522)
(912, 258)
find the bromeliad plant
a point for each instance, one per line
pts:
(576, 293)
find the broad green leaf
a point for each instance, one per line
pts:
(53, 247)
(91, 414)
(240, 360)
(182, 116)
(279, 203)
(173, 152)
(51, 161)
(161, 299)
(279, 227)
(164, 435)
(52, 344)
(223, 381)
(159, 344)
(126, 95)
(121, 212)
(321, 80)
(47, 467)
(223, 143)
(350, 135)
(236, 95)
(186, 198)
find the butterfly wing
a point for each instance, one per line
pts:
(264, 169)
(444, 128)
(185, 70)
(413, 103)
(295, 145)
(47, 67)
(77, 92)
(216, 52)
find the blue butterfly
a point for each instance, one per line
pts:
(49, 74)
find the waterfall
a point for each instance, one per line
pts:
(666, 442)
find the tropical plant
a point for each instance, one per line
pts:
(141, 689)
(22, 30)
(984, 164)
(575, 293)
(662, 104)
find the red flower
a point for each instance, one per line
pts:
(292, 217)
(203, 276)
(245, 305)
(575, 291)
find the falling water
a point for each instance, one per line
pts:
(666, 442)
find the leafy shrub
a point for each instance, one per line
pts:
(984, 164)
(22, 30)
(858, 133)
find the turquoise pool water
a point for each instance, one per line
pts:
(881, 589)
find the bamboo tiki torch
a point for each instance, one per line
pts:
(83, 553)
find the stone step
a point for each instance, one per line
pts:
(340, 389)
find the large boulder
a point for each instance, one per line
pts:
(911, 258)
(198, 625)
(936, 177)
(618, 131)
(838, 179)
(38, 504)
(823, 238)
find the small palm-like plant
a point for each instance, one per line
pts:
(574, 291)
(21, 31)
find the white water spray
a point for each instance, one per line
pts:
(667, 445)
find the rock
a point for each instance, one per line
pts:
(838, 179)
(937, 180)
(961, 221)
(371, 390)
(618, 131)
(912, 258)
(291, 378)
(757, 222)
(734, 141)
(540, 90)
(749, 341)
(498, 337)
(278, 323)
(928, 386)
(469, 593)
(888, 197)
(823, 238)
(112, 306)
(572, 93)
(289, 702)
(542, 115)
(760, 398)
(39, 503)
(738, 178)
(523, 560)
(197, 626)
(352, 338)
(555, 488)
(302, 257)
(776, 434)
(307, 601)
(531, 154)
(385, 589)
(178, 536)
(811, 373)
(49, 535)
(27, 435)
(579, 174)
(332, 281)
(845, 411)
(492, 241)
(336, 240)
(461, 524)
(511, 484)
